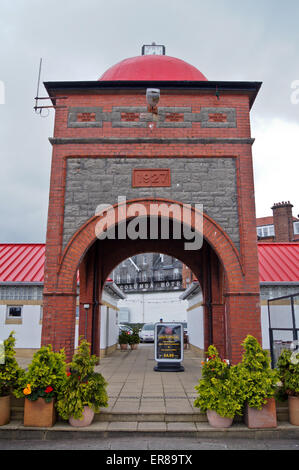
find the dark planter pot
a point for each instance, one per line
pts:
(39, 413)
(264, 418)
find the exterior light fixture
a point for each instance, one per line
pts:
(152, 98)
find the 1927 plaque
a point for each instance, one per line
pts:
(169, 346)
(150, 177)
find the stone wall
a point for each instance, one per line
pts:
(207, 181)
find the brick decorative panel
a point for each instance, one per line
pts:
(139, 117)
(150, 177)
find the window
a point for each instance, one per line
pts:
(144, 276)
(128, 278)
(296, 228)
(265, 231)
(176, 273)
(14, 314)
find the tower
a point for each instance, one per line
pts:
(190, 145)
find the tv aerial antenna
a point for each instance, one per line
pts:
(39, 109)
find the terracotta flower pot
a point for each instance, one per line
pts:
(4, 410)
(217, 421)
(264, 418)
(39, 413)
(134, 346)
(123, 347)
(86, 420)
(293, 410)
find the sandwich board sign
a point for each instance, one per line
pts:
(169, 347)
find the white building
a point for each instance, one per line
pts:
(21, 300)
(150, 307)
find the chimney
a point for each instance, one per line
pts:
(283, 221)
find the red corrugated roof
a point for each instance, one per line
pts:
(278, 262)
(24, 262)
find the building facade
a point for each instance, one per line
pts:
(21, 300)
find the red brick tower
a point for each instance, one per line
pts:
(193, 146)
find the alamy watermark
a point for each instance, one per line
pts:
(2, 92)
(295, 93)
(153, 221)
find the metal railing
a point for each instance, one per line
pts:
(283, 315)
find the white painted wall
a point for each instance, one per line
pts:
(195, 318)
(109, 322)
(151, 306)
(28, 333)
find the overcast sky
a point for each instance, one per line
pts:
(254, 40)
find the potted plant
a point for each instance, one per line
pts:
(288, 370)
(40, 386)
(84, 391)
(218, 390)
(259, 384)
(123, 339)
(134, 338)
(10, 373)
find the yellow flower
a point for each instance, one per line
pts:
(27, 390)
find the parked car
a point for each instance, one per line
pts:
(125, 328)
(147, 334)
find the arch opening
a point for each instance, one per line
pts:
(216, 265)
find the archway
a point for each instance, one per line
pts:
(216, 264)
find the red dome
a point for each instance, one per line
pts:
(151, 68)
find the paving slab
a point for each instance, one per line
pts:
(122, 426)
(152, 426)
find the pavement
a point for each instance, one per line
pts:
(148, 410)
(134, 386)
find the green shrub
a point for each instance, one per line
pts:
(83, 386)
(257, 381)
(218, 390)
(124, 337)
(288, 370)
(133, 337)
(10, 372)
(45, 377)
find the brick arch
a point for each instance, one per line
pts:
(215, 236)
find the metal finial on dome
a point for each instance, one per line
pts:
(153, 49)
